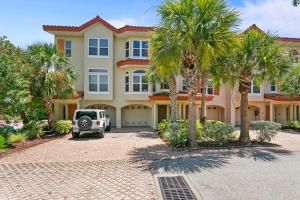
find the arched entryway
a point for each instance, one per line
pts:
(215, 113)
(253, 114)
(136, 115)
(109, 110)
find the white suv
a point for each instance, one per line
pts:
(90, 120)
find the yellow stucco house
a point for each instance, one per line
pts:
(111, 64)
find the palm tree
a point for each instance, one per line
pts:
(296, 2)
(163, 71)
(258, 58)
(52, 76)
(197, 32)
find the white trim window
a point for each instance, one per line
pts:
(254, 88)
(98, 80)
(210, 87)
(140, 48)
(98, 47)
(139, 82)
(127, 51)
(184, 85)
(164, 85)
(273, 86)
(68, 48)
(127, 83)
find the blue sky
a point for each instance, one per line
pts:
(22, 20)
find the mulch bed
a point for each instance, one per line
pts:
(18, 147)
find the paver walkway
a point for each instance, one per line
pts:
(86, 168)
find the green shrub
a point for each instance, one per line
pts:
(33, 129)
(164, 125)
(265, 130)
(294, 124)
(217, 132)
(212, 122)
(16, 138)
(2, 142)
(178, 134)
(63, 126)
(7, 130)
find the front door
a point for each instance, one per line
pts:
(161, 112)
(267, 113)
(71, 110)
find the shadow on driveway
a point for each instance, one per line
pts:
(163, 158)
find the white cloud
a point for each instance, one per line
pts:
(278, 16)
(118, 23)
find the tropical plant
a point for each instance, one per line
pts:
(53, 76)
(296, 2)
(197, 31)
(14, 84)
(161, 70)
(3, 144)
(290, 85)
(218, 133)
(33, 129)
(63, 126)
(257, 57)
(16, 138)
(265, 130)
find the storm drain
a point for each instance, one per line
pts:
(175, 188)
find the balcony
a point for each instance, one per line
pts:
(132, 62)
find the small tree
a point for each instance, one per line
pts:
(290, 85)
(14, 84)
(197, 32)
(52, 76)
(163, 69)
(296, 2)
(257, 57)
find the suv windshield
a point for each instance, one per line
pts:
(91, 114)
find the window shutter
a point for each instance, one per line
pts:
(217, 90)
(61, 46)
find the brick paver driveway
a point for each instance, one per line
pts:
(115, 167)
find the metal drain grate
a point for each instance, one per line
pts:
(175, 188)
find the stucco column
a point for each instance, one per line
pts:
(232, 114)
(184, 111)
(180, 111)
(78, 104)
(271, 112)
(57, 111)
(154, 116)
(118, 117)
(291, 112)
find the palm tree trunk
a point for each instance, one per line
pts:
(192, 120)
(173, 96)
(49, 113)
(244, 135)
(24, 117)
(203, 100)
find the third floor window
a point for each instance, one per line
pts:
(98, 47)
(140, 48)
(68, 48)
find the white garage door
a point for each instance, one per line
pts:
(136, 115)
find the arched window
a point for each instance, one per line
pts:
(139, 81)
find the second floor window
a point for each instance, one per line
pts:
(210, 87)
(98, 80)
(126, 83)
(98, 47)
(139, 81)
(127, 49)
(184, 85)
(68, 48)
(273, 86)
(164, 86)
(254, 88)
(140, 48)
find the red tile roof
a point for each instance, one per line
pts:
(78, 95)
(97, 19)
(130, 61)
(164, 96)
(281, 97)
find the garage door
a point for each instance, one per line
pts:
(136, 115)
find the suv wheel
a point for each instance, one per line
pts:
(101, 134)
(85, 123)
(108, 128)
(75, 135)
